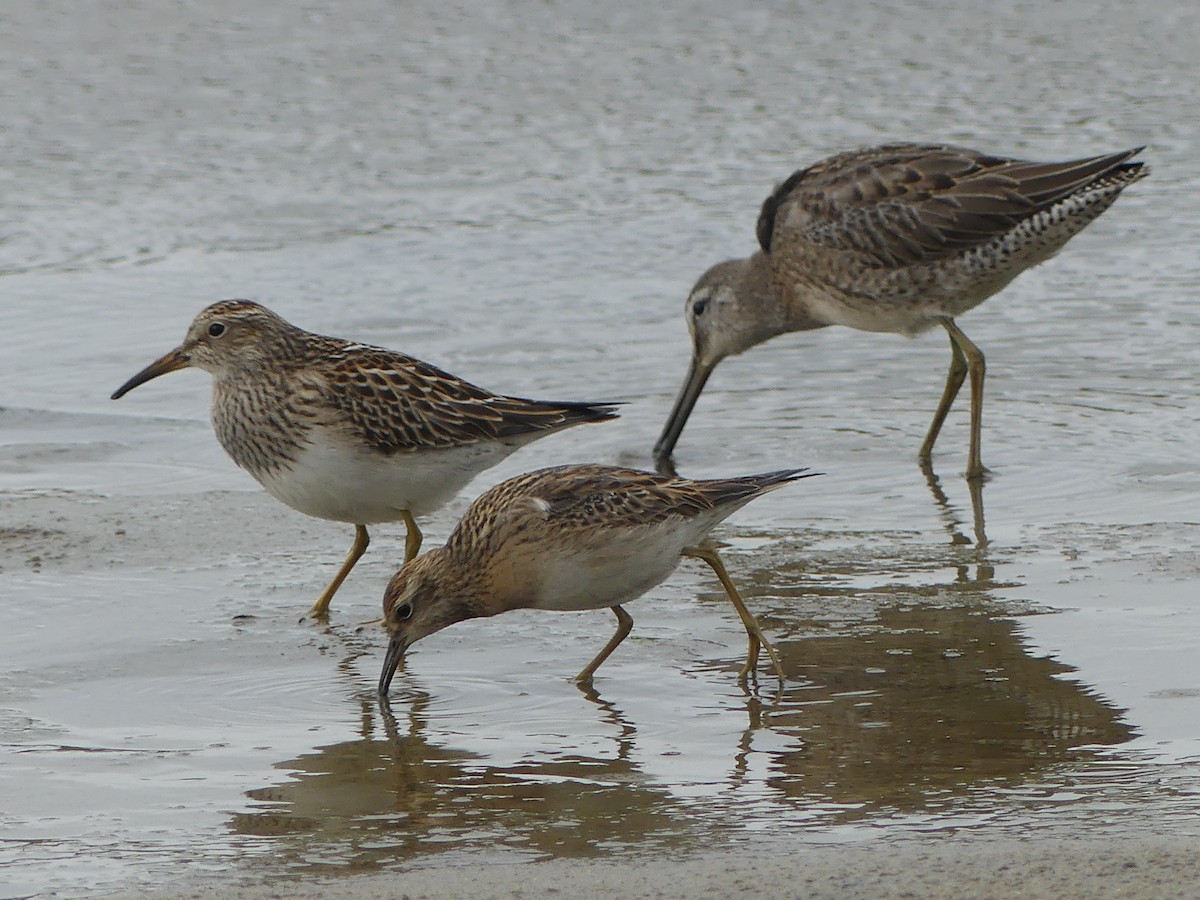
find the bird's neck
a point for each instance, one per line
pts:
(491, 578)
(766, 308)
(466, 587)
(781, 310)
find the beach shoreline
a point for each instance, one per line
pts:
(977, 867)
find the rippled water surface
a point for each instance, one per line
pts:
(524, 196)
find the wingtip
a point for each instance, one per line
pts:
(1129, 168)
(785, 476)
(600, 411)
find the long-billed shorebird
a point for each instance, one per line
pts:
(570, 538)
(346, 431)
(896, 238)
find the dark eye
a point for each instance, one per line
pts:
(700, 306)
(216, 329)
(403, 612)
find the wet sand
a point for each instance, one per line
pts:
(1161, 868)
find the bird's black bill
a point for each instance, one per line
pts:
(172, 361)
(391, 662)
(688, 395)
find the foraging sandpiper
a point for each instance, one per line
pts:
(896, 238)
(346, 431)
(570, 538)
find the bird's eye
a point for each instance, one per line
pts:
(216, 329)
(700, 306)
(403, 612)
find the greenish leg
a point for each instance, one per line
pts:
(976, 368)
(954, 381)
(624, 626)
(753, 631)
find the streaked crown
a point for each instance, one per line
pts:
(233, 335)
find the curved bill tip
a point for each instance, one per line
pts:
(169, 362)
(693, 384)
(395, 653)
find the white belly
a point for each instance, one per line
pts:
(615, 567)
(332, 481)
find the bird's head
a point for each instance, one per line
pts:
(730, 309)
(425, 596)
(226, 337)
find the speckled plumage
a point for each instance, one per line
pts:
(568, 538)
(896, 238)
(346, 431)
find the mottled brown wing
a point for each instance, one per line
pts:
(594, 496)
(397, 403)
(582, 498)
(901, 204)
(598, 495)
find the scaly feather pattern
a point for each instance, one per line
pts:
(901, 204)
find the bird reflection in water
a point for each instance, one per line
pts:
(951, 516)
(906, 695)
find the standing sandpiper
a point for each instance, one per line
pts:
(570, 538)
(897, 238)
(346, 431)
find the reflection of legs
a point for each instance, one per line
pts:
(320, 609)
(412, 542)
(951, 515)
(975, 486)
(753, 632)
(954, 380)
(624, 626)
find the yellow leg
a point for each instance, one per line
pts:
(954, 381)
(412, 542)
(753, 631)
(624, 626)
(320, 609)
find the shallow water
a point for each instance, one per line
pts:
(524, 197)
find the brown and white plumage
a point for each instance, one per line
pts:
(896, 238)
(346, 431)
(568, 538)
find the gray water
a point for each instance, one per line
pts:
(523, 195)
